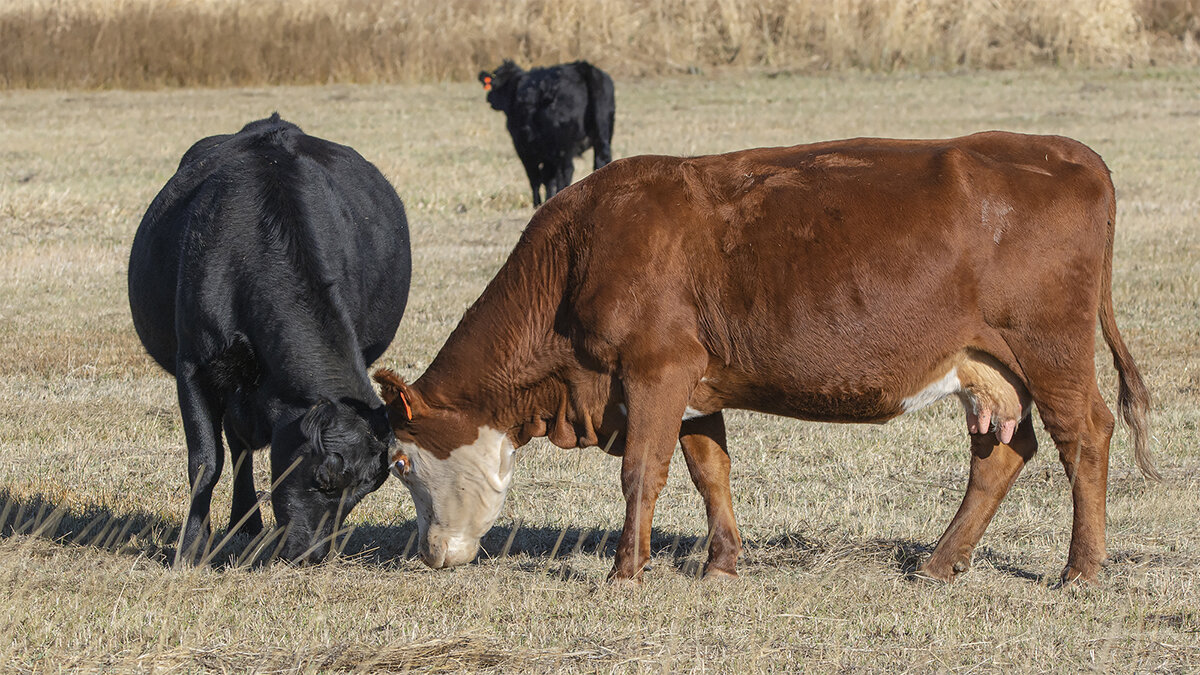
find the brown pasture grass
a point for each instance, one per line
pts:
(152, 43)
(92, 457)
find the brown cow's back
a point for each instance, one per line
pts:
(832, 281)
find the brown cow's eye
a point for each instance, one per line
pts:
(401, 465)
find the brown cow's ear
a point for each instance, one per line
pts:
(390, 384)
(400, 399)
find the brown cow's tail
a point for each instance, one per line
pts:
(1132, 396)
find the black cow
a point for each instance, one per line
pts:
(268, 273)
(554, 114)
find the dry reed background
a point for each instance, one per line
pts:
(151, 43)
(92, 453)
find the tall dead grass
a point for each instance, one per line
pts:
(152, 43)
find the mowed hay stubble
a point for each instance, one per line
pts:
(832, 515)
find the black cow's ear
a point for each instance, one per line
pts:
(318, 419)
(331, 475)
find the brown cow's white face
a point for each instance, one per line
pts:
(458, 498)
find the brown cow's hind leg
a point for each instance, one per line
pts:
(994, 467)
(1084, 455)
(704, 448)
(1074, 414)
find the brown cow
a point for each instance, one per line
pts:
(849, 281)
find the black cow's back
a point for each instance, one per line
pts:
(252, 221)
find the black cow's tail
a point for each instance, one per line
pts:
(600, 114)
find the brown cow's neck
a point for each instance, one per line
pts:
(502, 364)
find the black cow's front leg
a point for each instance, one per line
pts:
(244, 515)
(202, 428)
(550, 179)
(601, 152)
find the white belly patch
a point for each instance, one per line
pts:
(933, 393)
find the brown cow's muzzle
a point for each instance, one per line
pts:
(441, 552)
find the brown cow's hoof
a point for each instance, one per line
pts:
(1072, 575)
(945, 574)
(925, 574)
(614, 581)
(618, 578)
(718, 574)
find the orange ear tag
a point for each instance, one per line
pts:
(407, 407)
(487, 84)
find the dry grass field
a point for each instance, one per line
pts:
(92, 458)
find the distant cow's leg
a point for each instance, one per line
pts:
(245, 498)
(655, 410)
(202, 428)
(994, 467)
(564, 174)
(534, 172)
(704, 448)
(602, 152)
(550, 177)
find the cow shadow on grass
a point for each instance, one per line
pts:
(540, 550)
(94, 526)
(535, 549)
(554, 551)
(139, 533)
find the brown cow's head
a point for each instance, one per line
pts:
(457, 471)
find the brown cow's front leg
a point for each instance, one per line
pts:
(994, 467)
(655, 413)
(704, 448)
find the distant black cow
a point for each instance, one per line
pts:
(268, 273)
(554, 114)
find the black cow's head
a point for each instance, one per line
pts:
(501, 84)
(329, 459)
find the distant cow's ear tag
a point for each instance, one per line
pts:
(487, 84)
